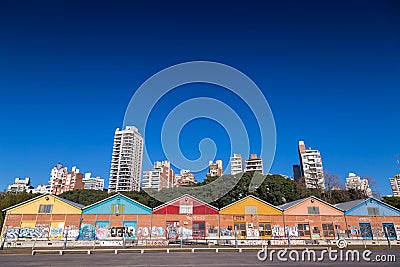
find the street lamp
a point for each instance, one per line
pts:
(66, 237)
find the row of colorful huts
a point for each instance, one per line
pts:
(117, 217)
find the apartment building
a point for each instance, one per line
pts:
(161, 176)
(126, 160)
(254, 163)
(311, 166)
(236, 164)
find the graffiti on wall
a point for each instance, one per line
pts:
(281, 232)
(56, 231)
(252, 233)
(226, 232)
(111, 243)
(43, 231)
(378, 233)
(130, 229)
(284, 242)
(185, 232)
(130, 232)
(102, 230)
(397, 228)
(172, 230)
(195, 217)
(213, 231)
(153, 243)
(40, 231)
(144, 232)
(12, 233)
(87, 232)
(117, 231)
(72, 231)
(121, 231)
(353, 231)
(157, 231)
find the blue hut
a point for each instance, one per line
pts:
(115, 217)
(371, 219)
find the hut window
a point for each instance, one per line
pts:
(199, 229)
(328, 229)
(117, 209)
(185, 209)
(45, 208)
(250, 210)
(240, 228)
(365, 230)
(313, 210)
(265, 229)
(303, 229)
(373, 211)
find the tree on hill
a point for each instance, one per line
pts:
(275, 189)
(394, 201)
(85, 196)
(143, 198)
(10, 199)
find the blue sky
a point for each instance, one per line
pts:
(329, 70)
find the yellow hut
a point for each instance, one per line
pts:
(250, 218)
(43, 217)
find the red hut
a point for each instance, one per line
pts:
(186, 217)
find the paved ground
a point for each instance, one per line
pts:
(175, 259)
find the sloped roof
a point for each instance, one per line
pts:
(76, 205)
(251, 196)
(69, 202)
(113, 196)
(185, 195)
(292, 203)
(346, 206)
(296, 202)
(349, 204)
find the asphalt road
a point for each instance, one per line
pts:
(177, 259)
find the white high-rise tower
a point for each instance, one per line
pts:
(126, 161)
(236, 164)
(311, 167)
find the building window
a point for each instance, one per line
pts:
(373, 211)
(327, 228)
(389, 230)
(240, 228)
(250, 210)
(265, 229)
(303, 229)
(199, 229)
(185, 209)
(316, 232)
(365, 231)
(117, 208)
(313, 210)
(45, 208)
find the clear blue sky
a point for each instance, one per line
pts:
(329, 69)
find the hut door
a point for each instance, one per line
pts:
(304, 230)
(366, 231)
(265, 229)
(240, 229)
(390, 232)
(199, 229)
(172, 230)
